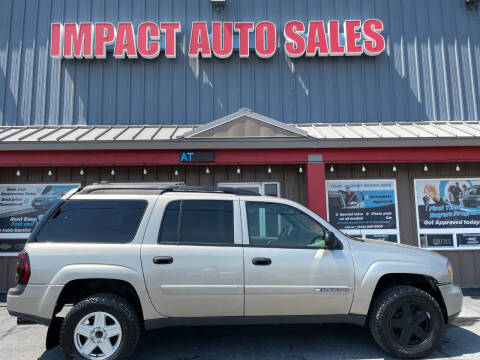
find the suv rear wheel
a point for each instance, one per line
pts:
(406, 322)
(101, 326)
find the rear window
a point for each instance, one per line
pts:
(94, 221)
(208, 222)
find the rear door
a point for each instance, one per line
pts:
(288, 271)
(193, 262)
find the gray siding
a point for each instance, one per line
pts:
(430, 70)
(466, 263)
(292, 183)
(7, 271)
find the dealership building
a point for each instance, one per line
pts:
(365, 112)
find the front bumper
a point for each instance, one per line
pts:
(33, 302)
(453, 298)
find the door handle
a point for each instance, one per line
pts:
(162, 260)
(260, 261)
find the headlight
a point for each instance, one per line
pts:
(450, 270)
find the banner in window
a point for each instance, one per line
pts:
(23, 205)
(362, 204)
(448, 203)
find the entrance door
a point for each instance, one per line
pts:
(195, 268)
(288, 271)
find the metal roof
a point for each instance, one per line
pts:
(81, 137)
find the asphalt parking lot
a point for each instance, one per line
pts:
(300, 342)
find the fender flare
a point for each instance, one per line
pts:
(366, 285)
(74, 272)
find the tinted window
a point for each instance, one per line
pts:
(278, 225)
(169, 231)
(94, 221)
(202, 222)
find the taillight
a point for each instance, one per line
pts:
(23, 267)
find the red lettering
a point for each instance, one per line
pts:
(224, 50)
(244, 29)
(265, 39)
(56, 40)
(104, 35)
(125, 42)
(334, 32)
(148, 37)
(317, 39)
(199, 41)
(77, 41)
(374, 43)
(170, 30)
(352, 35)
(294, 42)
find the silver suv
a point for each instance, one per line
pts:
(127, 257)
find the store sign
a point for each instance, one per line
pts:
(448, 207)
(436, 240)
(22, 206)
(364, 207)
(315, 39)
(193, 156)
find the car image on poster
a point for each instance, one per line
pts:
(22, 207)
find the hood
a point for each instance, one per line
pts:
(396, 245)
(397, 258)
(384, 250)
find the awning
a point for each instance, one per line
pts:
(243, 129)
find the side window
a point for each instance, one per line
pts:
(170, 229)
(278, 225)
(94, 221)
(207, 222)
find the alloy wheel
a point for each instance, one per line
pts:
(97, 335)
(410, 324)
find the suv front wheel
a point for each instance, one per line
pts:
(101, 326)
(406, 322)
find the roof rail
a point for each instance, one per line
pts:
(211, 189)
(161, 189)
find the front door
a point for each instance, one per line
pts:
(193, 265)
(288, 271)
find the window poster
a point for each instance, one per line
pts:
(21, 208)
(448, 212)
(366, 208)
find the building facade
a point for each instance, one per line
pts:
(294, 98)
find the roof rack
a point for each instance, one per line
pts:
(106, 187)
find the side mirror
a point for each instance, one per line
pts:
(331, 241)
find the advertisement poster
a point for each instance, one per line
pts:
(22, 206)
(448, 203)
(363, 204)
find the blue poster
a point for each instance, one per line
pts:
(362, 204)
(448, 203)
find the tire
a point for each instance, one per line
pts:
(116, 313)
(406, 322)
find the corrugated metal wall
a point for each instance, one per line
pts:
(430, 70)
(465, 262)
